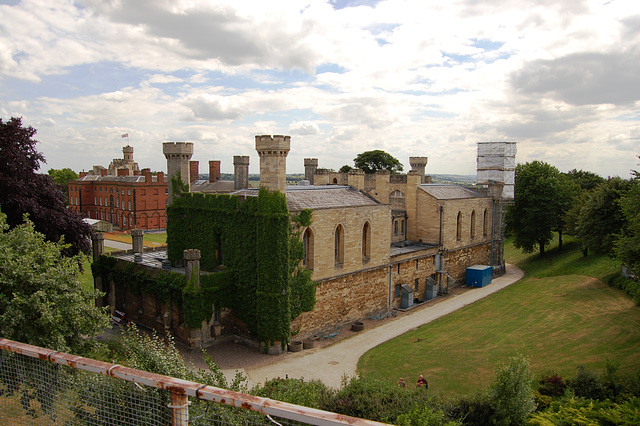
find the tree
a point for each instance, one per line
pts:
(601, 217)
(371, 161)
(62, 177)
(41, 301)
(345, 169)
(627, 246)
(535, 213)
(22, 190)
(586, 180)
(567, 196)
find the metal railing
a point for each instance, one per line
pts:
(41, 386)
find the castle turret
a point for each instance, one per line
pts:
(241, 171)
(419, 164)
(310, 167)
(127, 151)
(273, 153)
(178, 155)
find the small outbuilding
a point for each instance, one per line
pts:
(478, 276)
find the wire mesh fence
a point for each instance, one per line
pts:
(43, 387)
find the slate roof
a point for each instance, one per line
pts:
(110, 178)
(220, 186)
(449, 192)
(319, 197)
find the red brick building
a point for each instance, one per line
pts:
(127, 201)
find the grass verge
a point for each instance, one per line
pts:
(558, 315)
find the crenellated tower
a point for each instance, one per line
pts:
(419, 164)
(310, 167)
(273, 153)
(178, 155)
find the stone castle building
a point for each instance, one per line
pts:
(377, 242)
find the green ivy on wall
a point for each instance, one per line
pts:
(254, 251)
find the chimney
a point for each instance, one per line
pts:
(214, 171)
(123, 172)
(147, 175)
(160, 177)
(194, 170)
(103, 172)
(240, 172)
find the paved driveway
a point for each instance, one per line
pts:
(331, 363)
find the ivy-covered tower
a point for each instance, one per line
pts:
(178, 155)
(273, 153)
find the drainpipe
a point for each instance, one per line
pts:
(390, 286)
(440, 235)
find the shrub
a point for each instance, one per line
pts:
(473, 410)
(551, 384)
(294, 391)
(629, 286)
(421, 415)
(511, 395)
(374, 399)
(587, 384)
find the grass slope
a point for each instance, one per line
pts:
(554, 316)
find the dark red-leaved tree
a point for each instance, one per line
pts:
(23, 190)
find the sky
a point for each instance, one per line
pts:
(413, 78)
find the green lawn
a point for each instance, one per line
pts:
(557, 315)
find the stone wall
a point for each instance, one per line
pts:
(457, 261)
(345, 299)
(352, 220)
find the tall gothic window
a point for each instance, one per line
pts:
(307, 240)
(473, 224)
(459, 226)
(485, 224)
(339, 245)
(366, 241)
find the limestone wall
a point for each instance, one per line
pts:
(352, 220)
(457, 261)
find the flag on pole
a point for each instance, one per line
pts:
(126, 135)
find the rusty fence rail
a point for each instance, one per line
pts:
(43, 387)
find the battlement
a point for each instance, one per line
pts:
(310, 162)
(127, 149)
(274, 145)
(240, 160)
(177, 148)
(417, 162)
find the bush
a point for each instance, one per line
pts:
(511, 395)
(294, 391)
(587, 384)
(551, 384)
(374, 399)
(473, 410)
(629, 286)
(421, 415)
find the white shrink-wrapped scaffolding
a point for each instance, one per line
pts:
(497, 165)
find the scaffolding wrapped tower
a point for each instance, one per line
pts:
(497, 166)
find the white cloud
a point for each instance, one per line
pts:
(413, 77)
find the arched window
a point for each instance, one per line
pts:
(485, 224)
(307, 240)
(473, 224)
(459, 226)
(339, 245)
(366, 241)
(396, 199)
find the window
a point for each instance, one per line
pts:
(339, 245)
(129, 205)
(366, 241)
(307, 240)
(403, 227)
(122, 192)
(76, 201)
(117, 202)
(459, 226)
(110, 189)
(473, 224)
(95, 201)
(485, 224)
(128, 192)
(100, 200)
(130, 221)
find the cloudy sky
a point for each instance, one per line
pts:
(412, 77)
